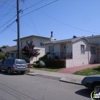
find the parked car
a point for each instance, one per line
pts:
(91, 82)
(14, 65)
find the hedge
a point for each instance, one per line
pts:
(54, 63)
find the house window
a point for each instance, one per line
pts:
(41, 43)
(21, 44)
(93, 50)
(27, 41)
(51, 49)
(12, 55)
(82, 49)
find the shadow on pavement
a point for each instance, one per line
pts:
(5, 73)
(84, 92)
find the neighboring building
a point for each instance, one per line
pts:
(39, 44)
(75, 51)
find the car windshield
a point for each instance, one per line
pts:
(20, 62)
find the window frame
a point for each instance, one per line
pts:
(82, 49)
(93, 50)
(51, 49)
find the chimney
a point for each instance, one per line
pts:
(51, 33)
(51, 38)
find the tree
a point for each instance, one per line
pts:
(7, 54)
(2, 56)
(74, 36)
(29, 50)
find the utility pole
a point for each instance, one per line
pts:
(18, 30)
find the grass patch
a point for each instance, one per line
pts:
(48, 69)
(89, 71)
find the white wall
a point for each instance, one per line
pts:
(36, 42)
(42, 53)
(81, 59)
(78, 58)
(56, 47)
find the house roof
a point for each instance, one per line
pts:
(69, 40)
(93, 36)
(8, 48)
(31, 37)
(64, 40)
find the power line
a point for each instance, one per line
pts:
(4, 16)
(16, 31)
(67, 24)
(6, 27)
(8, 3)
(40, 8)
(27, 25)
(2, 5)
(33, 5)
(33, 23)
(7, 21)
(7, 14)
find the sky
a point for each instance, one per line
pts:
(65, 18)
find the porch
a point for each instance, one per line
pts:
(60, 55)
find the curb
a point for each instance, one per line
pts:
(32, 74)
(67, 81)
(44, 76)
(72, 81)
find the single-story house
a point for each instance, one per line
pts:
(76, 51)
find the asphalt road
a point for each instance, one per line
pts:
(25, 87)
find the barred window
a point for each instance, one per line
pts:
(82, 49)
(51, 49)
(93, 50)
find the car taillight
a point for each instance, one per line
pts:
(26, 66)
(14, 66)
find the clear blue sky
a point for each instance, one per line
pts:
(64, 17)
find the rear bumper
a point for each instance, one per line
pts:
(19, 70)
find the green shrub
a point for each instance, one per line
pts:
(45, 56)
(54, 63)
(36, 65)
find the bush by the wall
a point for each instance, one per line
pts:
(50, 63)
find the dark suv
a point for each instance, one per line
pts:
(14, 65)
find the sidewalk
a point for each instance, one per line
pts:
(77, 68)
(70, 78)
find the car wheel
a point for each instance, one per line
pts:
(9, 71)
(97, 87)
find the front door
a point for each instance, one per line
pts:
(63, 50)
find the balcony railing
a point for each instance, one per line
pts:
(60, 55)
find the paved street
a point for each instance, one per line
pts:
(25, 87)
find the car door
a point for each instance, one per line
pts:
(3, 65)
(6, 62)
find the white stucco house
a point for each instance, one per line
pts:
(76, 51)
(38, 42)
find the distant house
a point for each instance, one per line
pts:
(8, 49)
(39, 44)
(76, 51)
